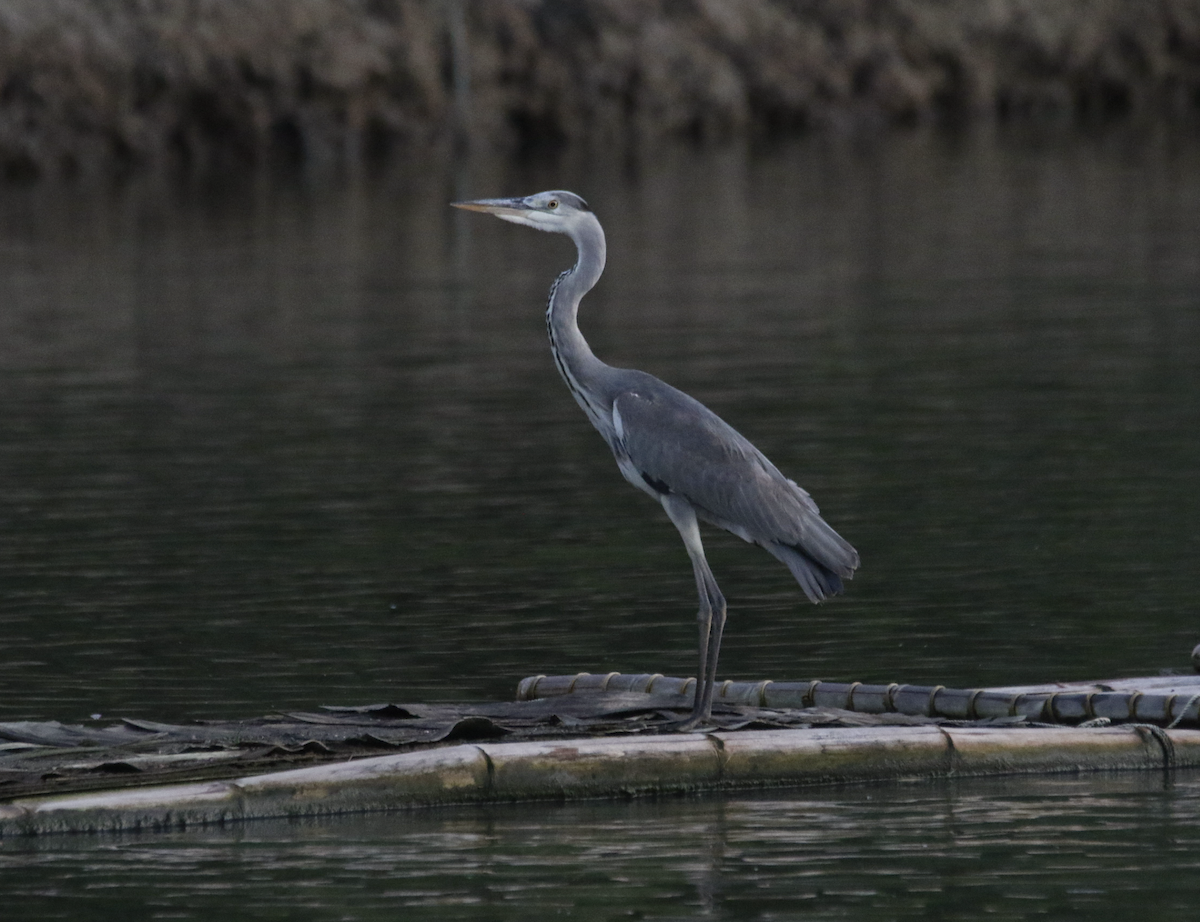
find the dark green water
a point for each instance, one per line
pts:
(1110, 848)
(281, 445)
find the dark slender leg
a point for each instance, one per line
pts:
(711, 616)
(717, 601)
(705, 619)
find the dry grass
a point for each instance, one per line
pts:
(96, 85)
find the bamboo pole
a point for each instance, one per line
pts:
(608, 767)
(1166, 700)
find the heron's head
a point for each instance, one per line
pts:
(558, 212)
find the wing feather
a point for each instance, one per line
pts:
(674, 441)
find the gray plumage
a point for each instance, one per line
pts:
(673, 447)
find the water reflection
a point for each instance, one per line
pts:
(1121, 848)
(278, 446)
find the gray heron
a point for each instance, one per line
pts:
(673, 447)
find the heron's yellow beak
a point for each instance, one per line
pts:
(501, 207)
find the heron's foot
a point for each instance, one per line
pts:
(689, 724)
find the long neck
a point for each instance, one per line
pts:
(579, 367)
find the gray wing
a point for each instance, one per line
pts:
(678, 445)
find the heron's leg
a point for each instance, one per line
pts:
(704, 619)
(711, 616)
(717, 602)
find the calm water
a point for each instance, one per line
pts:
(277, 445)
(1107, 848)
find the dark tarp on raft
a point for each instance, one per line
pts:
(50, 757)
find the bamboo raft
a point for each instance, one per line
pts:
(581, 736)
(1171, 700)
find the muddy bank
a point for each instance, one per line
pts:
(91, 86)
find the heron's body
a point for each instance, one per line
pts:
(672, 447)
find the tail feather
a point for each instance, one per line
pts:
(818, 581)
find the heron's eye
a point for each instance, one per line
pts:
(552, 204)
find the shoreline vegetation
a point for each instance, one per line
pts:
(95, 87)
